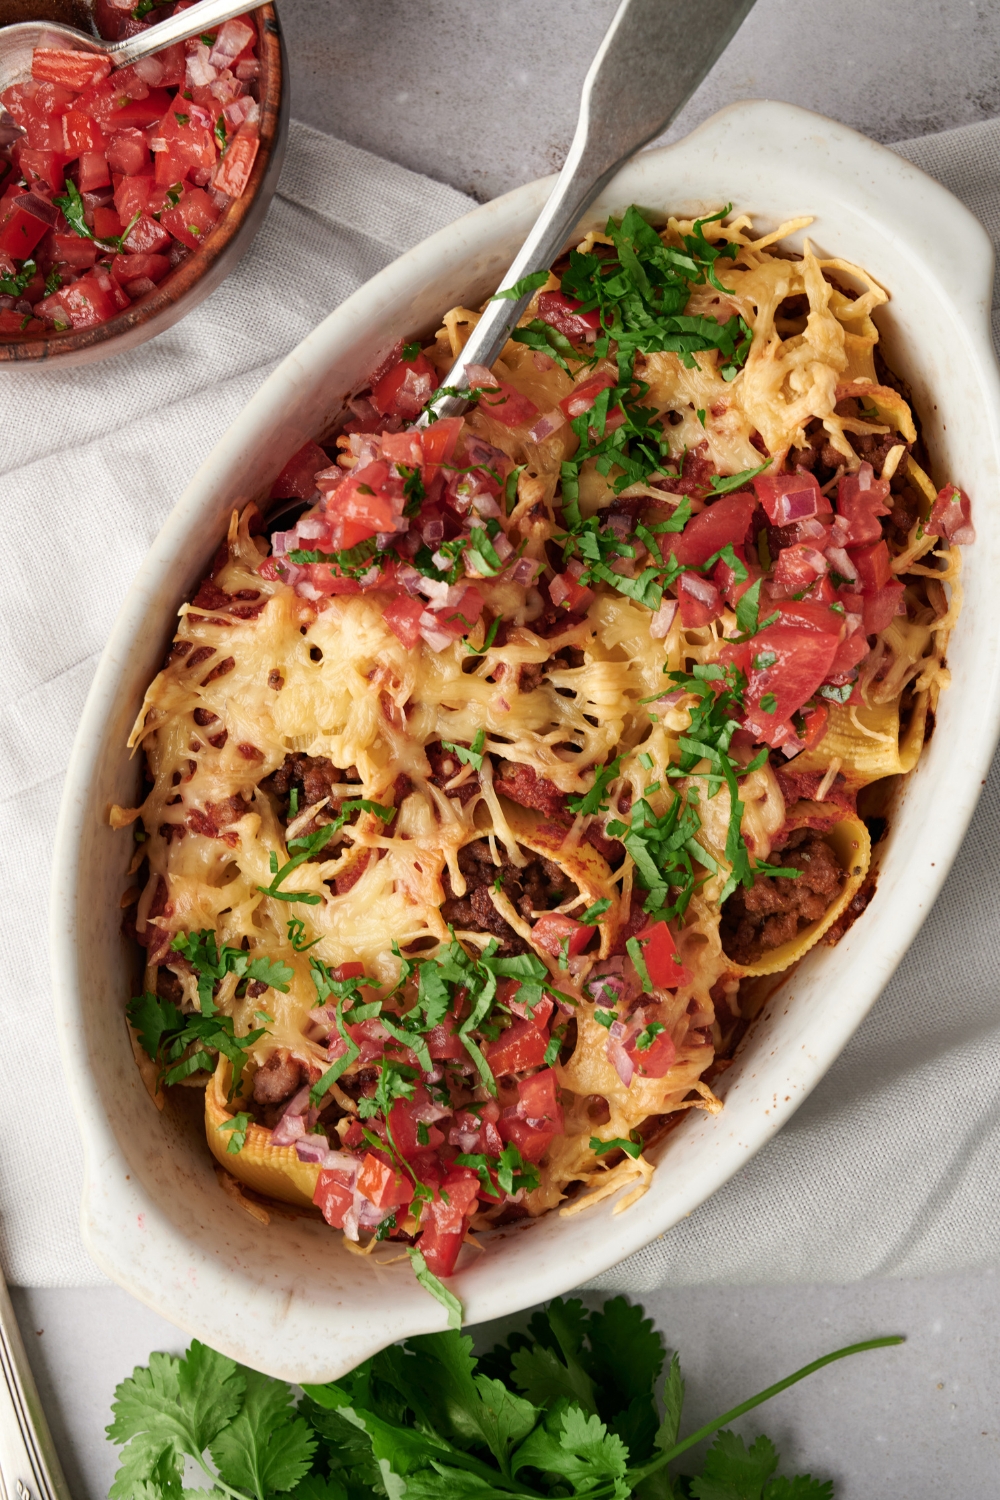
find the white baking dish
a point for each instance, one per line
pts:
(289, 1298)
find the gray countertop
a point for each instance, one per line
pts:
(484, 97)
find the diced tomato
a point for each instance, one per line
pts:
(81, 133)
(406, 1134)
(561, 312)
(22, 229)
(822, 591)
(815, 723)
(861, 500)
(659, 952)
(15, 322)
(326, 580)
(874, 567)
(382, 1185)
(404, 390)
(700, 601)
(557, 933)
(93, 171)
(188, 136)
(582, 397)
(361, 505)
(850, 653)
(107, 225)
(47, 167)
(443, 1041)
(778, 688)
(71, 250)
(232, 173)
(538, 1098)
(797, 568)
(654, 1060)
(567, 594)
(126, 268)
(132, 196)
(721, 523)
(297, 480)
(541, 1011)
(74, 70)
(501, 401)
(810, 614)
(444, 1223)
(461, 617)
(333, 1196)
(403, 618)
(146, 237)
(172, 60)
(531, 1140)
(788, 498)
(191, 219)
(882, 607)
(438, 443)
(136, 112)
(951, 517)
(521, 1046)
(128, 152)
(90, 301)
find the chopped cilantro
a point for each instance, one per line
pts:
(631, 1147)
(522, 288)
(473, 756)
(238, 1125)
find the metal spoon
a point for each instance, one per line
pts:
(18, 42)
(655, 54)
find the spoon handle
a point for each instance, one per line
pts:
(201, 17)
(29, 1467)
(653, 57)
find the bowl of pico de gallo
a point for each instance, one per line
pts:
(128, 194)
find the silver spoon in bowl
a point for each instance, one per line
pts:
(18, 42)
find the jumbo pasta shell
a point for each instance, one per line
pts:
(274, 1171)
(851, 844)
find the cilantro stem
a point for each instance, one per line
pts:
(637, 1475)
(220, 1484)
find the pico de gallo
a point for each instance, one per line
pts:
(110, 178)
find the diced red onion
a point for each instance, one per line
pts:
(792, 746)
(248, 68)
(478, 375)
(362, 408)
(840, 561)
(523, 571)
(663, 619)
(149, 69)
(433, 531)
(313, 1148)
(617, 1056)
(289, 1129)
(438, 640)
(811, 530)
(503, 546)
(311, 527)
(484, 504)
(198, 70)
(699, 588)
(547, 424)
(429, 1112)
(619, 525)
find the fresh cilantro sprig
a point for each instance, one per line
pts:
(17, 285)
(185, 1044)
(74, 214)
(567, 1408)
(211, 963)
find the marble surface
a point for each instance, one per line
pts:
(920, 1421)
(484, 97)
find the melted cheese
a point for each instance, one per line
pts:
(332, 680)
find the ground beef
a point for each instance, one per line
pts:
(523, 785)
(215, 816)
(798, 785)
(314, 777)
(444, 766)
(852, 911)
(239, 605)
(538, 886)
(278, 1079)
(774, 908)
(695, 477)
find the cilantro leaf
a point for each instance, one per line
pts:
(592, 802)
(171, 1408)
(576, 1446)
(272, 972)
(522, 288)
(724, 484)
(152, 1019)
(473, 756)
(266, 1447)
(601, 1148)
(436, 1288)
(627, 1350)
(73, 212)
(734, 1472)
(238, 1125)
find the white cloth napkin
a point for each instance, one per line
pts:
(891, 1167)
